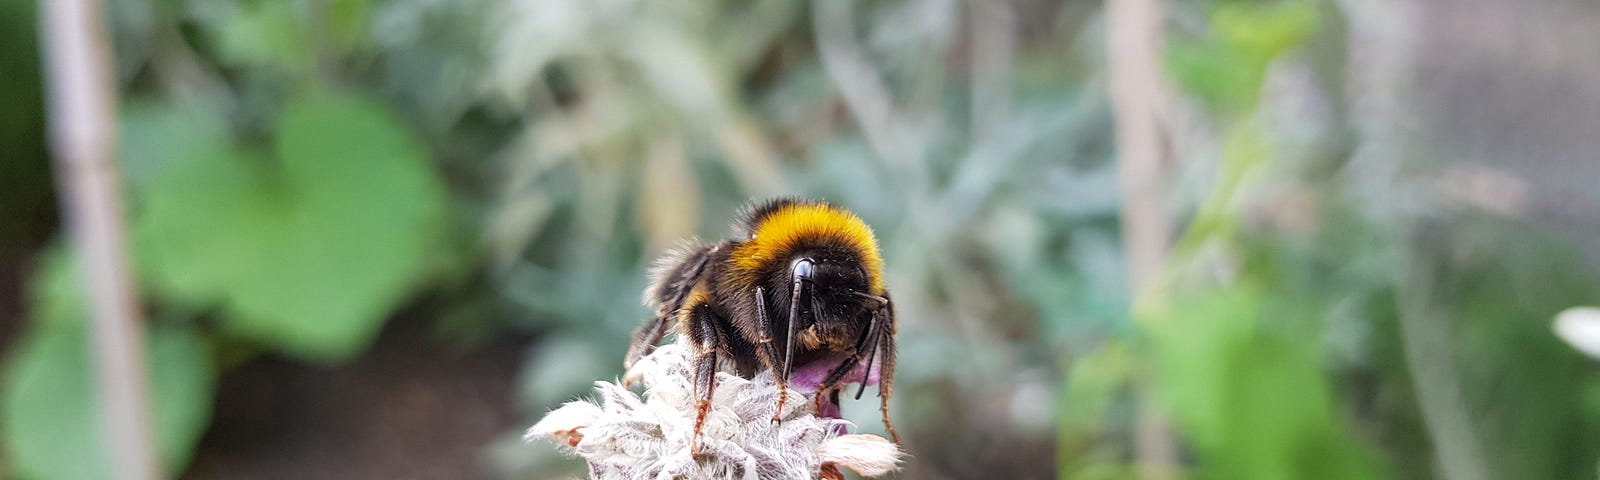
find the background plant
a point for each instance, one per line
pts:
(1351, 295)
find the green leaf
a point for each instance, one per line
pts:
(150, 131)
(1216, 75)
(347, 23)
(1227, 69)
(307, 254)
(51, 411)
(1249, 394)
(266, 33)
(56, 289)
(1264, 30)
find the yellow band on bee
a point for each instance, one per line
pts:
(780, 231)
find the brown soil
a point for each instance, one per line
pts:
(408, 408)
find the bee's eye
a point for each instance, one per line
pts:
(803, 268)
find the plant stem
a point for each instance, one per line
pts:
(1133, 57)
(82, 106)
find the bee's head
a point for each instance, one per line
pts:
(830, 275)
(828, 288)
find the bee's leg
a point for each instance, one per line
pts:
(880, 306)
(644, 340)
(864, 348)
(884, 340)
(872, 351)
(802, 270)
(886, 367)
(708, 345)
(769, 353)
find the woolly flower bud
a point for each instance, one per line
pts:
(623, 436)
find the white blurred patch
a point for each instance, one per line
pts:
(867, 455)
(1580, 327)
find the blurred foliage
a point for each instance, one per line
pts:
(1304, 330)
(331, 248)
(25, 186)
(1226, 68)
(51, 416)
(1233, 360)
(301, 171)
(1247, 392)
(1521, 390)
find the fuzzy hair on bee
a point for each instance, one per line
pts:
(800, 282)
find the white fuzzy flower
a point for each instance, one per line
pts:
(625, 437)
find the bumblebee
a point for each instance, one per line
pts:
(800, 282)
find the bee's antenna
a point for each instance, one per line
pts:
(802, 270)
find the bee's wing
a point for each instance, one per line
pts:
(673, 277)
